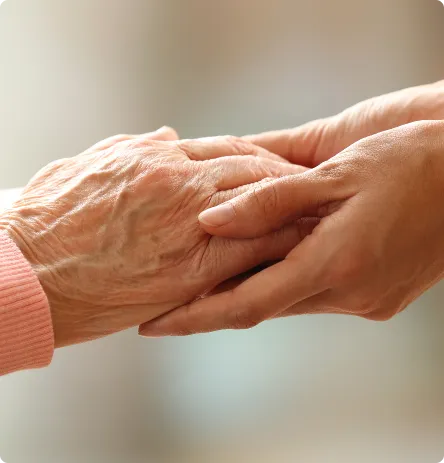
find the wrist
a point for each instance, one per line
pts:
(15, 228)
(26, 332)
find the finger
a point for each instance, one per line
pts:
(163, 134)
(307, 145)
(246, 254)
(271, 292)
(236, 171)
(203, 149)
(226, 195)
(234, 282)
(249, 256)
(266, 207)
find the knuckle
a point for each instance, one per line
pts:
(137, 143)
(378, 315)
(266, 181)
(184, 327)
(154, 174)
(239, 145)
(188, 148)
(119, 138)
(386, 306)
(266, 198)
(336, 173)
(354, 300)
(160, 173)
(246, 317)
(243, 320)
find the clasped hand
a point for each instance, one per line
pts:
(158, 231)
(113, 236)
(374, 196)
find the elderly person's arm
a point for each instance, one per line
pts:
(26, 337)
(110, 239)
(26, 332)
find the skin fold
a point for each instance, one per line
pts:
(374, 190)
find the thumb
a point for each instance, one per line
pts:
(307, 145)
(165, 133)
(269, 206)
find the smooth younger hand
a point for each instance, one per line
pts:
(378, 246)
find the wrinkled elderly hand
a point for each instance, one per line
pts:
(378, 246)
(113, 235)
(317, 141)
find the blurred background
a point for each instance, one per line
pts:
(311, 389)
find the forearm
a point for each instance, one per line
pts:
(26, 334)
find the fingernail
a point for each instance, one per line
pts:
(218, 216)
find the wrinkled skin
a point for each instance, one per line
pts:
(113, 235)
(379, 243)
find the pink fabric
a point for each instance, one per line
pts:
(26, 334)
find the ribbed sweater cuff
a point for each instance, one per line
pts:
(26, 334)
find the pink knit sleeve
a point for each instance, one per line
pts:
(26, 335)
